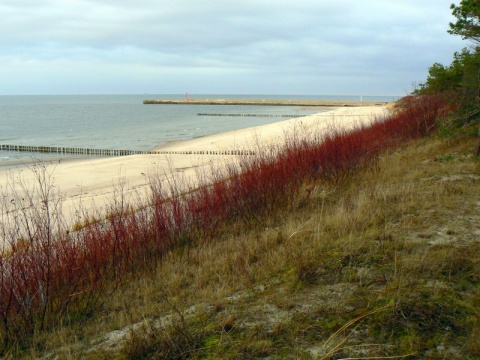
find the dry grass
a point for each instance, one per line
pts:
(385, 261)
(50, 275)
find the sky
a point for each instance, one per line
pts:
(308, 47)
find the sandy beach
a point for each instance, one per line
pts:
(93, 183)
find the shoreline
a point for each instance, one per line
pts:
(91, 183)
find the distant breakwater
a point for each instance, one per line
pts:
(115, 152)
(326, 103)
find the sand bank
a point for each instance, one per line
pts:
(93, 182)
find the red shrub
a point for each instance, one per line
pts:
(51, 273)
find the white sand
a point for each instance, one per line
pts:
(93, 182)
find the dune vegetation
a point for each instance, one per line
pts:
(358, 244)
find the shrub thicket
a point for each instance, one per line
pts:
(50, 274)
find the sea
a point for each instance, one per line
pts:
(124, 122)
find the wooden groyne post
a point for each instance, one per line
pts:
(68, 150)
(251, 115)
(59, 150)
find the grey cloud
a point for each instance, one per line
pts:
(288, 38)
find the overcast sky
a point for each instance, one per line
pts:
(313, 47)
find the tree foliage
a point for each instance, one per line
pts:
(468, 27)
(468, 20)
(459, 80)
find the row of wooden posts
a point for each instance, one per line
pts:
(113, 152)
(249, 115)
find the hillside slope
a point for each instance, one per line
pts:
(384, 263)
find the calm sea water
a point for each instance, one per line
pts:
(123, 122)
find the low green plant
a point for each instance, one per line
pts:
(449, 127)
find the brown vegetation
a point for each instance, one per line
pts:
(350, 241)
